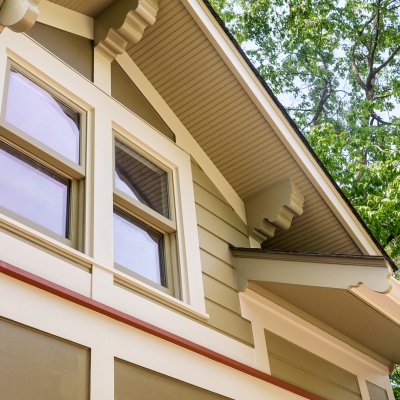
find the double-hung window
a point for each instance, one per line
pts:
(41, 158)
(144, 219)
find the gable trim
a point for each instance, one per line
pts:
(65, 19)
(183, 137)
(283, 125)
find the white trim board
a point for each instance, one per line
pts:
(183, 137)
(65, 19)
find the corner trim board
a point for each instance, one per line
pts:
(84, 301)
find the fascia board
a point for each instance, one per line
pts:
(330, 275)
(65, 19)
(387, 304)
(281, 125)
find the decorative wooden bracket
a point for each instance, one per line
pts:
(123, 23)
(18, 15)
(271, 208)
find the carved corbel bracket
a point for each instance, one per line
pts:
(273, 208)
(18, 15)
(123, 23)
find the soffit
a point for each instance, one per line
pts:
(192, 77)
(340, 311)
(87, 7)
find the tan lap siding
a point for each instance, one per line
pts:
(376, 392)
(299, 367)
(219, 226)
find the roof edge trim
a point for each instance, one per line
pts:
(220, 36)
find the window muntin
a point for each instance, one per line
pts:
(139, 248)
(33, 191)
(144, 229)
(141, 179)
(38, 114)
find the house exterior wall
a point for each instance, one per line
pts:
(219, 226)
(208, 315)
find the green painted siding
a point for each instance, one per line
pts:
(376, 392)
(295, 365)
(219, 226)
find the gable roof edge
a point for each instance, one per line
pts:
(285, 127)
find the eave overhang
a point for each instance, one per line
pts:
(352, 297)
(340, 271)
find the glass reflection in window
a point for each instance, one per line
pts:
(31, 191)
(138, 248)
(35, 112)
(141, 180)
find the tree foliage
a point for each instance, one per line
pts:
(336, 68)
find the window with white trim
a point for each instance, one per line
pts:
(144, 218)
(42, 158)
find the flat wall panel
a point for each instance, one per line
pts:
(308, 371)
(126, 92)
(34, 365)
(74, 50)
(137, 383)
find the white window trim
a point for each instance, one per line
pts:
(104, 115)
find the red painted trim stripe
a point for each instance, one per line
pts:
(87, 302)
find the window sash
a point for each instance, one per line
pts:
(37, 147)
(137, 210)
(137, 268)
(50, 159)
(70, 235)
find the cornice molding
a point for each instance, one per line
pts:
(271, 208)
(18, 15)
(112, 41)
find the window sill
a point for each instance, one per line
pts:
(86, 262)
(151, 292)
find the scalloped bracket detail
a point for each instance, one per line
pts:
(122, 24)
(271, 208)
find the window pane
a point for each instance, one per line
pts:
(32, 191)
(35, 112)
(138, 248)
(141, 179)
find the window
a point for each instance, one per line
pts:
(144, 221)
(41, 158)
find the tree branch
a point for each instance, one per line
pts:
(355, 70)
(388, 60)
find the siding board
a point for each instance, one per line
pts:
(228, 322)
(218, 269)
(219, 226)
(218, 207)
(221, 294)
(305, 369)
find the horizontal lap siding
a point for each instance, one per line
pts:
(308, 371)
(219, 226)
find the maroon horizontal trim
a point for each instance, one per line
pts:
(87, 302)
